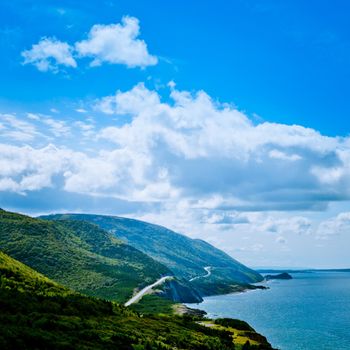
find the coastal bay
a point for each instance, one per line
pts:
(310, 311)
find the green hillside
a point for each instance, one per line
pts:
(37, 313)
(19, 277)
(78, 255)
(186, 257)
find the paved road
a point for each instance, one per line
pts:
(208, 269)
(143, 291)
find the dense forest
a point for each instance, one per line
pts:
(38, 313)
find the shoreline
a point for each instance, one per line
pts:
(288, 315)
(240, 289)
(184, 309)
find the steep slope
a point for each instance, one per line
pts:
(20, 277)
(79, 255)
(37, 313)
(186, 257)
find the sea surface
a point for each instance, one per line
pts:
(309, 312)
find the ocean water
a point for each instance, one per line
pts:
(309, 312)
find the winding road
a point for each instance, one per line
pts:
(143, 291)
(207, 269)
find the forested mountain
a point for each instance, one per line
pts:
(79, 255)
(187, 258)
(37, 313)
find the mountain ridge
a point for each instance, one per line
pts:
(79, 255)
(184, 256)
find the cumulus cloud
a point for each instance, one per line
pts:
(23, 168)
(48, 54)
(203, 168)
(210, 150)
(113, 43)
(116, 44)
(205, 153)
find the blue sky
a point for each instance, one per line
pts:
(226, 121)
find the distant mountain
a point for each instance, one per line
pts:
(79, 255)
(187, 258)
(301, 270)
(37, 313)
(280, 276)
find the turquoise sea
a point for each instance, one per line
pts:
(309, 312)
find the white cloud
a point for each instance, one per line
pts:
(203, 168)
(130, 102)
(116, 44)
(328, 175)
(105, 105)
(7, 184)
(57, 127)
(23, 168)
(171, 84)
(297, 225)
(17, 129)
(81, 110)
(87, 129)
(33, 116)
(111, 43)
(48, 54)
(229, 218)
(207, 154)
(211, 149)
(334, 226)
(281, 155)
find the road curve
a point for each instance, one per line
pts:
(207, 269)
(143, 291)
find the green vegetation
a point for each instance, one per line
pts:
(244, 336)
(152, 304)
(184, 256)
(236, 324)
(36, 313)
(79, 255)
(19, 277)
(211, 286)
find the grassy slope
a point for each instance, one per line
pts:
(78, 255)
(152, 304)
(37, 313)
(184, 256)
(17, 276)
